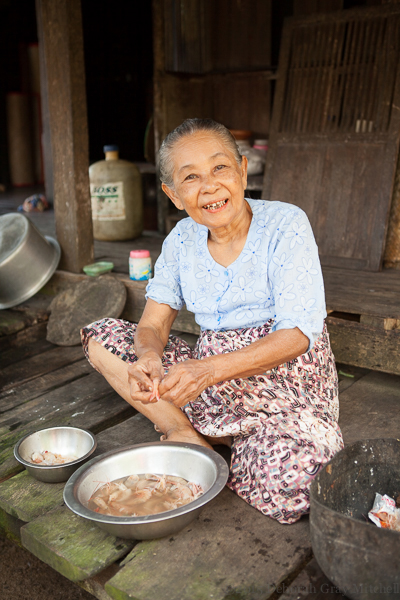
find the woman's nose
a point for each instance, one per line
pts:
(209, 184)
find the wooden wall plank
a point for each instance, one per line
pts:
(343, 125)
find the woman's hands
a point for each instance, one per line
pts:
(144, 377)
(186, 380)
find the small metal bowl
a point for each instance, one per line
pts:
(61, 440)
(194, 463)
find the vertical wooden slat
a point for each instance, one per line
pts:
(370, 110)
(362, 79)
(344, 74)
(349, 68)
(293, 82)
(381, 79)
(356, 67)
(61, 38)
(390, 67)
(305, 66)
(369, 73)
(336, 78)
(325, 82)
(310, 60)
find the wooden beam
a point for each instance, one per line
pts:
(361, 345)
(159, 104)
(61, 40)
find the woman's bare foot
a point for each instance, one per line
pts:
(185, 434)
(225, 440)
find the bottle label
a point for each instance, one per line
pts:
(140, 268)
(108, 202)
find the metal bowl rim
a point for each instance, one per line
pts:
(48, 467)
(78, 508)
(313, 498)
(32, 291)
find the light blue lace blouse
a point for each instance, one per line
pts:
(277, 275)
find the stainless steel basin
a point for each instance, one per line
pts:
(201, 465)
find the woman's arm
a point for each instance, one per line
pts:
(187, 380)
(150, 339)
(260, 356)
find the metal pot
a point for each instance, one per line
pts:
(194, 463)
(361, 559)
(27, 259)
(64, 440)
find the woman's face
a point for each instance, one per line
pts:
(208, 182)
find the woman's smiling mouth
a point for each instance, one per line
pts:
(216, 205)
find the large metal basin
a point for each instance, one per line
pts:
(195, 463)
(27, 259)
(361, 559)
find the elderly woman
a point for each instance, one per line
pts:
(262, 377)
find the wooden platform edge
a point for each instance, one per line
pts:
(360, 345)
(372, 343)
(135, 301)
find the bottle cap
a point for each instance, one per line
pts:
(111, 148)
(261, 144)
(139, 253)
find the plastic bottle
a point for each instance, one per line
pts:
(117, 201)
(139, 265)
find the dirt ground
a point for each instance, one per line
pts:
(25, 577)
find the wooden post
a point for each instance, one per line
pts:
(61, 41)
(159, 108)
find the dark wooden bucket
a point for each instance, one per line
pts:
(362, 560)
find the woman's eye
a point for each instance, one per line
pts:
(189, 177)
(219, 167)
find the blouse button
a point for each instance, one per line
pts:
(226, 273)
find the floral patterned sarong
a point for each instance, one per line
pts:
(283, 423)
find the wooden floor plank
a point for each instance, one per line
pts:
(32, 311)
(348, 375)
(361, 292)
(357, 344)
(10, 527)
(25, 498)
(15, 355)
(39, 365)
(371, 408)
(14, 397)
(310, 584)
(89, 402)
(230, 551)
(24, 337)
(71, 545)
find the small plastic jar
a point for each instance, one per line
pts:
(139, 265)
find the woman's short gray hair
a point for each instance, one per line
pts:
(189, 127)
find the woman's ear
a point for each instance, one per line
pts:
(243, 169)
(172, 196)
